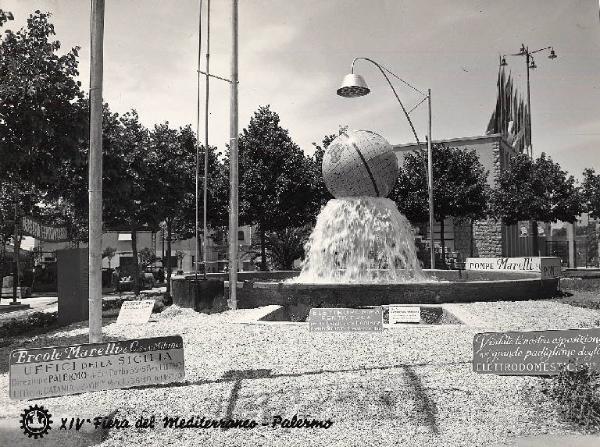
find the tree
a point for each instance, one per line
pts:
(538, 190)
(129, 193)
(172, 159)
(591, 192)
(40, 122)
(459, 186)
(321, 194)
(287, 245)
(146, 257)
(276, 178)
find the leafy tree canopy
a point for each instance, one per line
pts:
(591, 192)
(39, 125)
(535, 189)
(276, 178)
(459, 185)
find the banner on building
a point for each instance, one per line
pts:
(47, 233)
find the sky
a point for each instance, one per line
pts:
(293, 55)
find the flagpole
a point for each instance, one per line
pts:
(95, 173)
(233, 163)
(206, 146)
(197, 213)
(529, 105)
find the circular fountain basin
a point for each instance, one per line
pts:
(446, 286)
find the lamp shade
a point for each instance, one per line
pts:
(352, 86)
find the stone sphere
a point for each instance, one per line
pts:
(360, 163)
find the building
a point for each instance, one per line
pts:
(183, 252)
(489, 237)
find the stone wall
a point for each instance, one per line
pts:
(487, 238)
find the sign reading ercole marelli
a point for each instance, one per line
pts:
(342, 319)
(61, 370)
(535, 353)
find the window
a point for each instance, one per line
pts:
(241, 236)
(124, 236)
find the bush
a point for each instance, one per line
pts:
(576, 393)
(37, 320)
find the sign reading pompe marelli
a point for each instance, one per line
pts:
(61, 370)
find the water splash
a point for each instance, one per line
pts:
(361, 240)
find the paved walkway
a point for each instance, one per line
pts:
(38, 304)
(50, 304)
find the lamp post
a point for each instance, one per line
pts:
(530, 65)
(354, 85)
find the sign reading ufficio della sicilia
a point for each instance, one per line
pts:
(61, 370)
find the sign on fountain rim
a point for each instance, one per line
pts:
(547, 266)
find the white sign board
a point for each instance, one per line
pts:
(60, 370)
(343, 319)
(404, 314)
(548, 267)
(135, 312)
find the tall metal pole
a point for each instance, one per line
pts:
(95, 173)
(430, 182)
(197, 218)
(233, 162)
(529, 107)
(206, 147)
(16, 253)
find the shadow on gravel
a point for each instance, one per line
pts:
(230, 376)
(425, 406)
(237, 376)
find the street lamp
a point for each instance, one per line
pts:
(530, 64)
(354, 85)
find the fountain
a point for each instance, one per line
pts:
(361, 240)
(362, 252)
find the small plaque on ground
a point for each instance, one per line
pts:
(535, 353)
(62, 370)
(345, 320)
(135, 312)
(404, 314)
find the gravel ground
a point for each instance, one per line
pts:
(410, 385)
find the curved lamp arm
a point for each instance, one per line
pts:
(383, 71)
